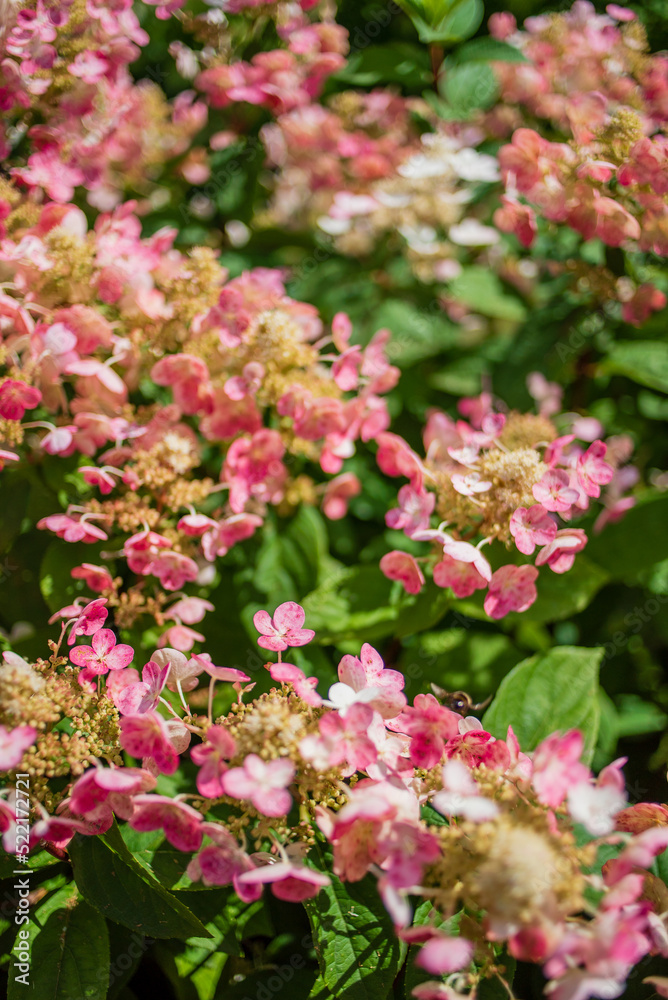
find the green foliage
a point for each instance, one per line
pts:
(358, 953)
(444, 21)
(644, 361)
(69, 951)
(553, 691)
(120, 888)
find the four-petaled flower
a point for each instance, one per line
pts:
(284, 629)
(104, 654)
(263, 783)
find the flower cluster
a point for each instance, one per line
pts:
(425, 800)
(506, 477)
(67, 65)
(91, 318)
(283, 79)
(589, 77)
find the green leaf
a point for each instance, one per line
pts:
(195, 969)
(488, 49)
(293, 557)
(444, 21)
(126, 948)
(426, 914)
(644, 361)
(358, 952)
(360, 603)
(121, 889)
(483, 292)
(69, 951)
(160, 859)
(55, 578)
(468, 87)
(397, 62)
(556, 690)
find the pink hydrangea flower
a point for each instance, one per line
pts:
(342, 741)
(104, 654)
(144, 695)
(560, 554)
(13, 744)
(17, 397)
(284, 629)
(288, 673)
(397, 565)
(396, 458)
(189, 610)
(554, 491)
(592, 471)
(102, 791)
(180, 637)
(595, 805)
(101, 478)
(182, 672)
(413, 512)
(97, 578)
(429, 724)
(462, 578)
(338, 493)
(443, 954)
(211, 759)
(466, 553)
(89, 619)
(471, 484)
(557, 767)
(512, 588)
(265, 784)
(72, 529)
(367, 681)
(461, 796)
(181, 823)
(532, 526)
(148, 736)
(222, 862)
(291, 882)
(232, 674)
(219, 539)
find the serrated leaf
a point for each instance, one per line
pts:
(69, 951)
(552, 691)
(358, 951)
(121, 889)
